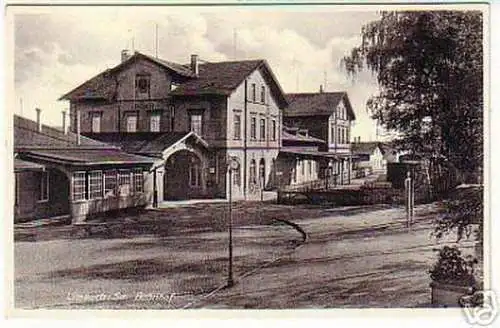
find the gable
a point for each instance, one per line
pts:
(225, 78)
(103, 86)
(258, 78)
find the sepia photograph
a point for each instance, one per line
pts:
(241, 157)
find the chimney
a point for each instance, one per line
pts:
(321, 88)
(78, 127)
(194, 64)
(125, 55)
(38, 121)
(64, 129)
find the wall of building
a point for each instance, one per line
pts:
(378, 161)
(262, 147)
(114, 112)
(317, 126)
(82, 210)
(269, 110)
(213, 110)
(339, 120)
(253, 186)
(29, 206)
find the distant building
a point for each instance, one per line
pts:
(192, 117)
(327, 116)
(369, 157)
(60, 174)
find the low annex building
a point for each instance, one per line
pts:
(63, 174)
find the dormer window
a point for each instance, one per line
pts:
(142, 85)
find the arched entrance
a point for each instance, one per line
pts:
(184, 176)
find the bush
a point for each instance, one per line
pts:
(462, 212)
(452, 268)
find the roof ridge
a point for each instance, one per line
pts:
(234, 61)
(315, 93)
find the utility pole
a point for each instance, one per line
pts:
(156, 40)
(231, 166)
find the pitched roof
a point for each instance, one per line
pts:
(147, 143)
(88, 157)
(307, 153)
(285, 136)
(365, 147)
(317, 103)
(223, 77)
(103, 85)
(27, 136)
(21, 165)
(52, 145)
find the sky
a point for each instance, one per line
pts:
(54, 51)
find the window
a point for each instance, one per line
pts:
(237, 126)
(253, 173)
(96, 122)
(196, 123)
(262, 173)
(253, 128)
(254, 97)
(79, 185)
(44, 186)
(273, 131)
(262, 129)
(237, 176)
(131, 122)
(138, 180)
(194, 174)
(263, 94)
(332, 132)
(172, 116)
(124, 187)
(310, 167)
(109, 183)
(142, 85)
(154, 122)
(302, 168)
(95, 184)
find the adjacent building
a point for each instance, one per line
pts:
(327, 116)
(300, 158)
(192, 118)
(62, 174)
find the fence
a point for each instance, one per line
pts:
(374, 193)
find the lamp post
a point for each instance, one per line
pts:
(329, 173)
(233, 165)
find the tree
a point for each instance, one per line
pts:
(429, 66)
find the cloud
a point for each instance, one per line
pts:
(54, 52)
